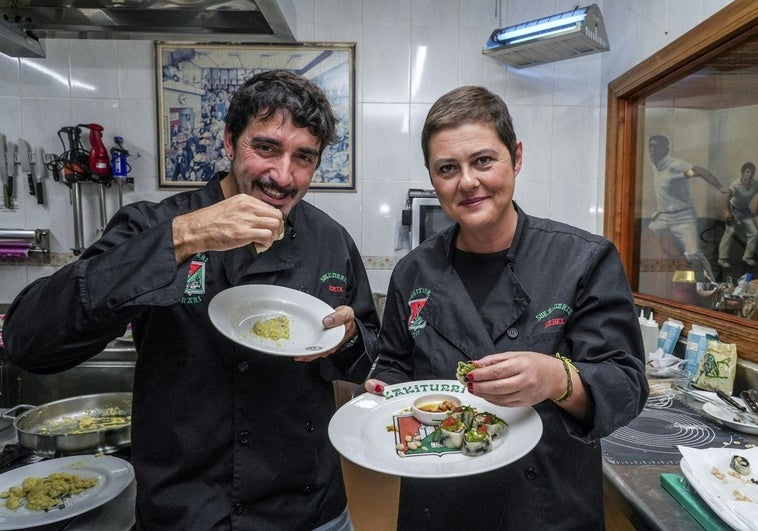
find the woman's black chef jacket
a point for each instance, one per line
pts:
(222, 437)
(562, 290)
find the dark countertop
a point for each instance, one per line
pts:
(637, 491)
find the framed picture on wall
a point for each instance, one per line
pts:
(195, 83)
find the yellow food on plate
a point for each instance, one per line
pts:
(43, 494)
(276, 328)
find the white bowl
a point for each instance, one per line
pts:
(430, 410)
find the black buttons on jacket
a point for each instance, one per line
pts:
(305, 289)
(512, 333)
(243, 366)
(531, 473)
(292, 232)
(308, 489)
(244, 438)
(238, 508)
(310, 427)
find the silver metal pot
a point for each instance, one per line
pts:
(66, 412)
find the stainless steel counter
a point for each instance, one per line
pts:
(637, 491)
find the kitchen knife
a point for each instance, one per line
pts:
(25, 158)
(40, 170)
(729, 400)
(750, 397)
(10, 163)
(4, 173)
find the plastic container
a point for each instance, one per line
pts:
(669, 335)
(99, 163)
(649, 328)
(697, 344)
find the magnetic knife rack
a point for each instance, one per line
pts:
(39, 238)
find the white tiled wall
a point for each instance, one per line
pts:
(409, 52)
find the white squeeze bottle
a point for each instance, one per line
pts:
(649, 335)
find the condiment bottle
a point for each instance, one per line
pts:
(649, 329)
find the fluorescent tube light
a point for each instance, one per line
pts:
(542, 26)
(561, 36)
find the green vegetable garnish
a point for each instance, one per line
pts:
(476, 435)
(464, 367)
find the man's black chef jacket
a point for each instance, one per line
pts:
(222, 436)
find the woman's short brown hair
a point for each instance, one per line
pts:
(469, 104)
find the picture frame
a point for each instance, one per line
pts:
(699, 92)
(195, 82)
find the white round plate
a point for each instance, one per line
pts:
(234, 311)
(363, 432)
(727, 417)
(113, 474)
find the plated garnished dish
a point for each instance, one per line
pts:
(464, 429)
(380, 432)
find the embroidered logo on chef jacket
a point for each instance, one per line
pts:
(418, 299)
(557, 315)
(195, 280)
(335, 282)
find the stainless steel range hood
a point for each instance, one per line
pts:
(16, 42)
(196, 20)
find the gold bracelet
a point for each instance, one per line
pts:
(568, 365)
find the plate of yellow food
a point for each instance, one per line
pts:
(57, 489)
(274, 320)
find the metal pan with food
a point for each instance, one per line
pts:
(83, 424)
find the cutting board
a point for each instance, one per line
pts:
(682, 492)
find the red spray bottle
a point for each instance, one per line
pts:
(99, 162)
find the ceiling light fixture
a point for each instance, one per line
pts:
(580, 31)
